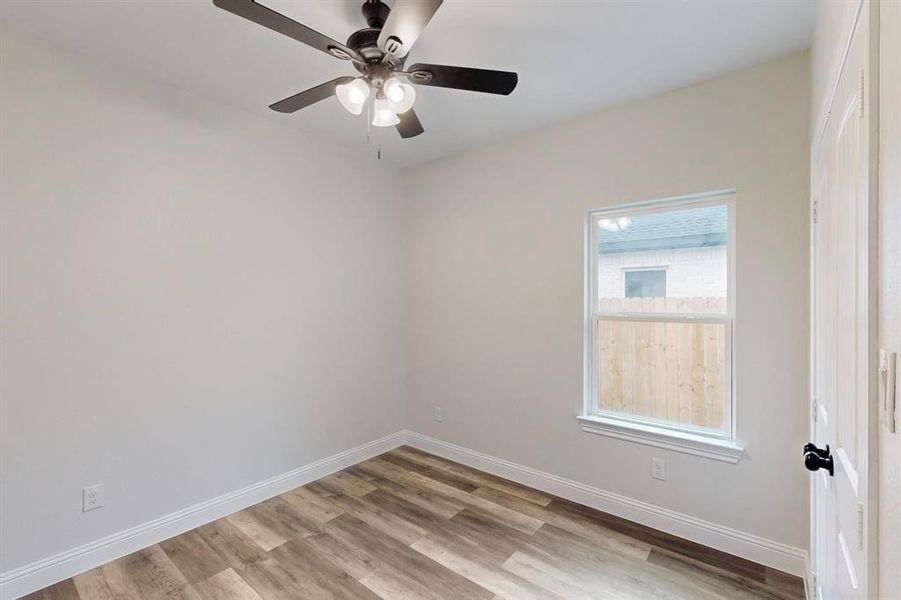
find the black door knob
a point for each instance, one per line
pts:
(817, 458)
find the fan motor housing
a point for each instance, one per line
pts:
(365, 42)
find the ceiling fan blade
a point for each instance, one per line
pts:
(464, 78)
(252, 11)
(409, 125)
(307, 97)
(405, 22)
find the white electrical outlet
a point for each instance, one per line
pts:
(658, 469)
(439, 416)
(92, 497)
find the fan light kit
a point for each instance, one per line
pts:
(394, 99)
(378, 52)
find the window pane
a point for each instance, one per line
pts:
(666, 372)
(664, 261)
(645, 284)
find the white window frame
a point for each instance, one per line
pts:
(717, 445)
(624, 270)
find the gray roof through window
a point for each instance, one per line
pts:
(684, 228)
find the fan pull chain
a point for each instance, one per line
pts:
(369, 109)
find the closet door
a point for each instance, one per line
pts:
(843, 340)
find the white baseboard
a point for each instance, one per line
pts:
(37, 575)
(745, 545)
(40, 574)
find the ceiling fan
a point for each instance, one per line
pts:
(378, 52)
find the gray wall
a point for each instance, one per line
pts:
(194, 300)
(495, 290)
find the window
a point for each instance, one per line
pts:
(658, 355)
(644, 283)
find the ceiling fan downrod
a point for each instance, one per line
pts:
(376, 13)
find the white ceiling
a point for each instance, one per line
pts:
(572, 56)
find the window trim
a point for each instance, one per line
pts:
(716, 445)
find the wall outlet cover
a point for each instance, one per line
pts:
(92, 497)
(658, 469)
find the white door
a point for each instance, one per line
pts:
(842, 338)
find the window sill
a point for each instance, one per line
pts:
(660, 437)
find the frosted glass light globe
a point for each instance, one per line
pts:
(353, 95)
(400, 95)
(382, 115)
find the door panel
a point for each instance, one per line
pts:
(841, 344)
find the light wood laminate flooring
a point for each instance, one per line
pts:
(409, 525)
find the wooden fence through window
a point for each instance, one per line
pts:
(670, 371)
